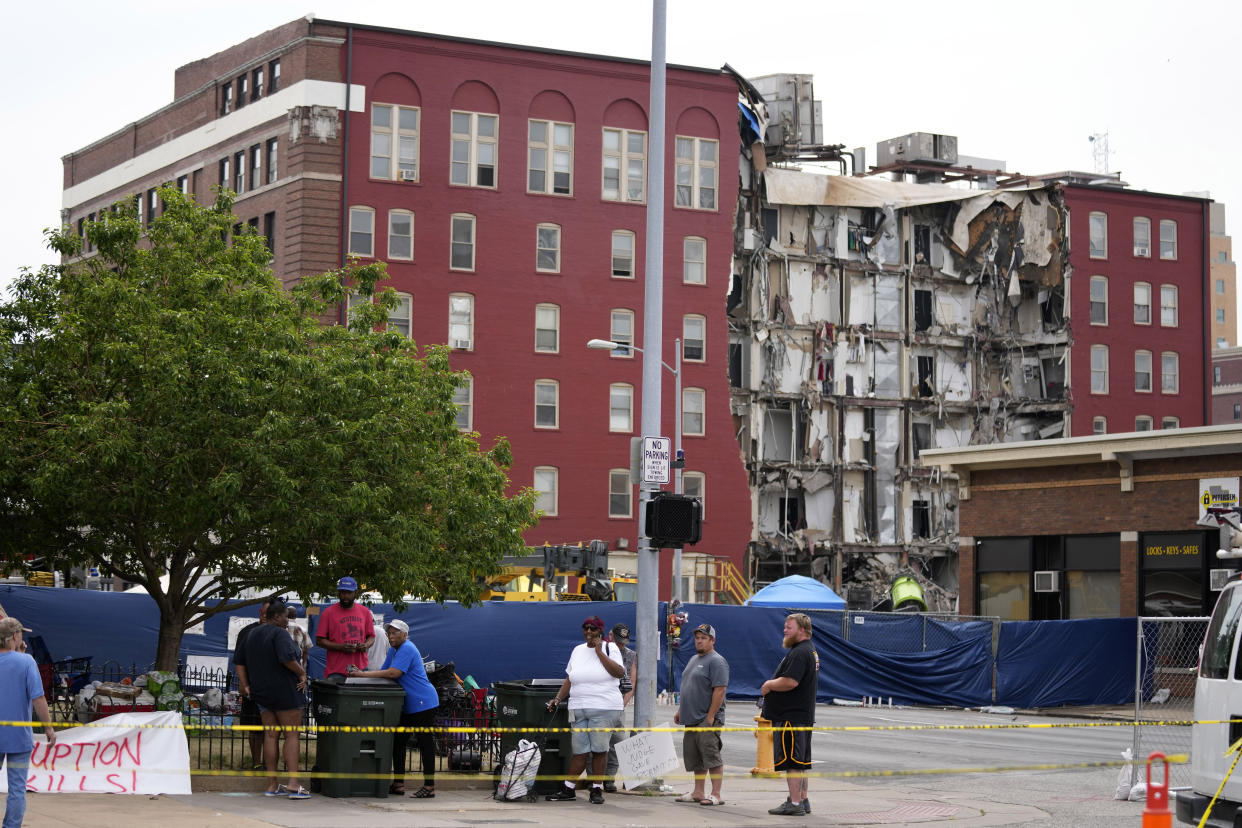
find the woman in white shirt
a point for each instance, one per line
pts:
(592, 685)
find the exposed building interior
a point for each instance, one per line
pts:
(871, 319)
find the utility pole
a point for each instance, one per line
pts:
(653, 336)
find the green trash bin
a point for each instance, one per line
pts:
(523, 703)
(366, 758)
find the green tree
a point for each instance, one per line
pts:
(169, 413)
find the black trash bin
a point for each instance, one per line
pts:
(523, 703)
(366, 758)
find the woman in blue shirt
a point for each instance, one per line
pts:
(404, 663)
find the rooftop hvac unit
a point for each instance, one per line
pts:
(1218, 578)
(917, 148)
(1047, 580)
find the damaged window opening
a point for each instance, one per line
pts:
(927, 376)
(922, 309)
(921, 438)
(922, 244)
(920, 523)
(791, 514)
(736, 355)
(783, 434)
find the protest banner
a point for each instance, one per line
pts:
(129, 753)
(644, 757)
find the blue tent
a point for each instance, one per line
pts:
(797, 592)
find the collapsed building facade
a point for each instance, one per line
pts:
(871, 319)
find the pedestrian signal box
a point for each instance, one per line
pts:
(674, 520)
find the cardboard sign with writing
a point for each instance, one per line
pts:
(643, 757)
(129, 753)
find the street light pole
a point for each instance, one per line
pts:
(679, 486)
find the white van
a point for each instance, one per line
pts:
(1218, 698)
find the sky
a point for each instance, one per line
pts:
(1028, 83)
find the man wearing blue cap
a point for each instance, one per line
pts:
(345, 630)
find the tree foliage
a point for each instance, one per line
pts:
(168, 410)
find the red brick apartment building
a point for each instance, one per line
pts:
(505, 187)
(1140, 310)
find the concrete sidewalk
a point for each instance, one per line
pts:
(747, 800)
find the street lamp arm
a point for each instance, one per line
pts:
(609, 345)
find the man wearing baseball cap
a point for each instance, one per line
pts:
(345, 630)
(703, 685)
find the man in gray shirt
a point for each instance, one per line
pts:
(703, 685)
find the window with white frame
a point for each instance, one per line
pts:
(473, 161)
(696, 173)
(693, 411)
(694, 260)
(621, 331)
(694, 484)
(625, 165)
(545, 484)
(461, 256)
(621, 407)
(547, 328)
(547, 403)
(401, 317)
(1097, 236)
(463, 398)
(620, 494)
(272, 146)
(548, 248)
(1168, 306)
(622, 254)
(1099, 300)
(1142, 303)
(461, 321)
(1169, 372)
(693, 338)
(361, 231)
(1170, 422)
(394, 142)
(1142, 237)
(1142, 423)
(1099, 369)
(400, 234)
(1168, 239)
(550, 158)
(1099, 425)
(1142, 371)
(355, 301)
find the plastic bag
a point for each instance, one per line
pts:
(1123, 776)
(517, 774)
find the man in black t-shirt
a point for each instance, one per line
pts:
(789, 702)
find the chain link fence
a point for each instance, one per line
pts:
(1165, 664)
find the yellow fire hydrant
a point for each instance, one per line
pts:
(763, 748)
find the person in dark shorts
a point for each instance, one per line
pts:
(789, 702)
(703, 686)
(278, 684)
(249, 713)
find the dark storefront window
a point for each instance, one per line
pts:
(1092, 576)
(1003, 567)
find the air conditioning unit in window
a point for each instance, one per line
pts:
(1142, 251)
(1218, 578)
(462, 344)
(409, 175)
(1047, 580)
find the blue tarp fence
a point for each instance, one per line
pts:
(911, 658)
